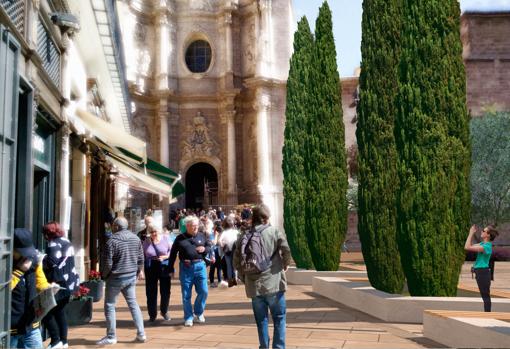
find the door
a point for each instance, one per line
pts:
(41, 207)
(9, 82)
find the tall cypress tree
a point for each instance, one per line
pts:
(377, 159)
(294, 151)
(326, 165)
(432, 136)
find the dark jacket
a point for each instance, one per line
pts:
(59, 266)
(123, 255)
(185, 246)
(25, 287)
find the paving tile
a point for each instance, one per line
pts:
(312, 322)
(369, 337)
(392, 338)
(379, 345)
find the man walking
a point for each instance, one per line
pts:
(267, 287)
(122, 263)
(191, 247)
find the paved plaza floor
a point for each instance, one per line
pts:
(312, 322)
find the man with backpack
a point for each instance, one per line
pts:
(261, 257)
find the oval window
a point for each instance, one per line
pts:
(198, 56)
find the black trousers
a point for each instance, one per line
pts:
(228, 266)
(483, 279)
(56, 323)
(216, 266)
(153, 275)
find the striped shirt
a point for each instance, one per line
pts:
(123, 255)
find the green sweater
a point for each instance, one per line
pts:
(272, 280)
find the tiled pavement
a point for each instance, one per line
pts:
(312, 322)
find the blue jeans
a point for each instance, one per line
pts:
(276, 303)
(189, 275)
(29, 340)
(126, 286)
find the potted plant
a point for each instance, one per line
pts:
(95, 285)
(79, 309)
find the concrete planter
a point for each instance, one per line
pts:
(296, 276)
(395, 308)
(467, 330)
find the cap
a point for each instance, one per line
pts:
(23, 243)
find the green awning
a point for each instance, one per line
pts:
(152, 168)
(163, 173)
(178, 189)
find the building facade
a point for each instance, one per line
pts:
(207, 83)
(486, 56)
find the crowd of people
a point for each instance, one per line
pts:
(206, 239)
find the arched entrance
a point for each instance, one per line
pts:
(201, 186)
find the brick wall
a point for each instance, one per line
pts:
(486, 42)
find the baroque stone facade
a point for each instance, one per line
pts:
(230, 114)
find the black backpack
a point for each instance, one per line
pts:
(254, 259)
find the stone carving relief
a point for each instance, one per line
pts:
(199, 142)
(249, 50)
(140, 33)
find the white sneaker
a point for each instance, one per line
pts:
(66, 345)
(200, 318)
(107, 341)
(188, 323)
(140, 338)
(223, 284)
(58, 345)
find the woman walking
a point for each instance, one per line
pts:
(481, 266)
(58, 266)
(156, 250)
(227, 242)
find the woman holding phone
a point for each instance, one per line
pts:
(483, 256)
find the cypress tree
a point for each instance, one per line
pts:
(432, 137)
(297, 110)
(377, 159)
(326, 164)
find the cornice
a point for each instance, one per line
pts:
(264, 82)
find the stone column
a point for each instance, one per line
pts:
(78, 209)
(262, 106)
(265, 45)
(162, 48)
(267, 189)
(164, 147)
(228, 42)
(228, 122)
(64, 197)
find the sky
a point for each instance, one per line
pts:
(347, 24)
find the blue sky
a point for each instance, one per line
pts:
(347, 24)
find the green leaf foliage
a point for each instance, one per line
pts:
(326, 165)
(490, 174)
(377, 157)
(294, 147)
(432, 137)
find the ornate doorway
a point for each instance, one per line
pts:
(201, 186)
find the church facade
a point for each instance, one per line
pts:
(207, 85)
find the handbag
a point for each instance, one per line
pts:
(164, 270)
